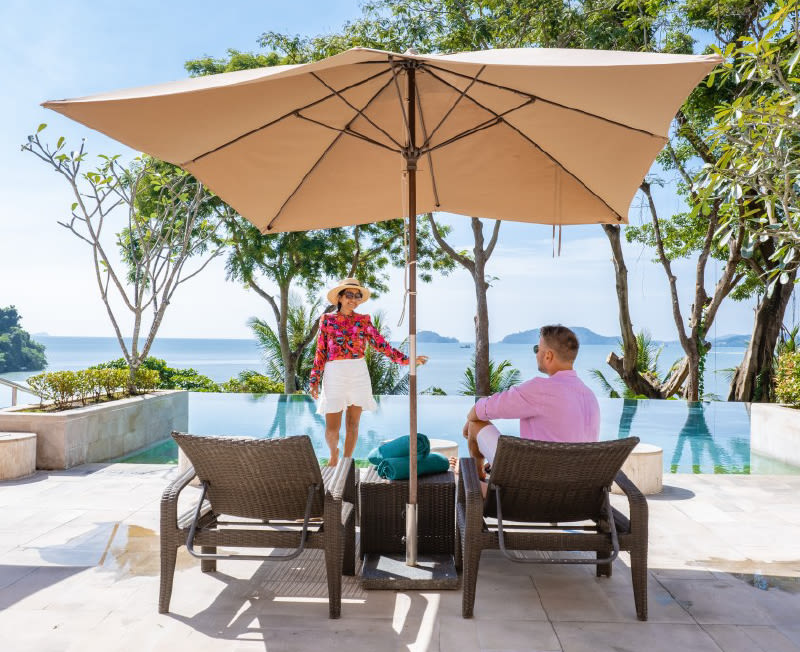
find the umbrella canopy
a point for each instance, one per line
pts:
(532, 135)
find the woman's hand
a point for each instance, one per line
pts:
(421, 359)
(314, 391)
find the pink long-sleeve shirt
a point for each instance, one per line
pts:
(556, 408)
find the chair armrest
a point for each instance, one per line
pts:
(469, 486)
(637, 502)
(169, 499)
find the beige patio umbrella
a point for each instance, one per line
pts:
(530, 135)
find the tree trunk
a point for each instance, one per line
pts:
(626, 368)
(482, 384)
(752, 380)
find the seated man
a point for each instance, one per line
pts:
(559, 407)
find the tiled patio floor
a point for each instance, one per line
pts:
(79, 571)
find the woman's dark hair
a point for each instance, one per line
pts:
(339, 303)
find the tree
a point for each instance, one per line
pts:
(757, 134)
(299, 322)
(18, 352)
(167, 219)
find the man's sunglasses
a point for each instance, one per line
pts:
(536, 348)
(353, 295)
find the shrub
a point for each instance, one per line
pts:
(253, 383)
(787, 379)
(169, 377)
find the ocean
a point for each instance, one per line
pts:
(222, 359)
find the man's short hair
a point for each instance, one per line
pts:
(561, 340)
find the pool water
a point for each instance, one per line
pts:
(696, 437)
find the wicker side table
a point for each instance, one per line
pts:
(383, 510)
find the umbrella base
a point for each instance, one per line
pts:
(389, 572)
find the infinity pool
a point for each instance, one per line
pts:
(696, 437)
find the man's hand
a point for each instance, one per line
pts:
(314, 391)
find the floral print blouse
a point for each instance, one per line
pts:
(345, 337)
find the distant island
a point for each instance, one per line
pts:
(585, 336)
(738, 341)
(435, 338)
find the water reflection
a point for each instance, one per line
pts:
(697, 438)
(696, 446)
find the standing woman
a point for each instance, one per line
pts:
(339, 364)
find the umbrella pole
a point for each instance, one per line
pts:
(411, 168)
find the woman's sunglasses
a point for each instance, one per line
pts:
(353, 295)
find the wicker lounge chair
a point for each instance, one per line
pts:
(254, 493)
(537, 493)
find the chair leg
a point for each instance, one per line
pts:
(349, 562)
(471, 558)
(169, 555)
(333, 563)
(604, 570)
(458, 557)
(639, 579)
(208, 565)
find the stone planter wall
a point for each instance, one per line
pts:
(98, 433)
(775, 432)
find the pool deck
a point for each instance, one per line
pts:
(79, 571)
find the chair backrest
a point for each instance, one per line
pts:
(256, 478)
(549, 482)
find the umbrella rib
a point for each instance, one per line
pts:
(452, 108)
(357, 110)
(543, 99)
(349, 132)
(498, 119)
(400, 100)
(428, 153)
(283, 117)
(341, 133)
(561, 166)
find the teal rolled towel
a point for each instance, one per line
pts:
(397, 468)
(398, 447)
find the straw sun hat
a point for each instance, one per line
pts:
(347, 284)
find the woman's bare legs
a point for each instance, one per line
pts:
(351, 422)
(333, 423)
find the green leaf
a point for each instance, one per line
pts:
(41, 126)
(74, 206)
(784, 278)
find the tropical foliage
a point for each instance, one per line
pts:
(502, 376)
(299, 321)
(66, 389)
(386, 376)
(168, 377)
(648, 353)
(18, 352)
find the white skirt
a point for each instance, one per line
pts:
(345, 382)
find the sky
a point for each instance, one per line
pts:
(52, 50)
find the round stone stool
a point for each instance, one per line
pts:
(445, 447)
(645, 468)
(17, 454)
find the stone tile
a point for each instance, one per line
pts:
(719, 602)
(495, 635)
(740, 638)
(594, 637)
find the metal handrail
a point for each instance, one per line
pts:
(15, 387)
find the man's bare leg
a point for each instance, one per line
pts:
(333, 423)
